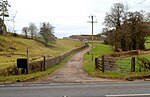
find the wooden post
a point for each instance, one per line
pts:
(133, 64)
(44, 59)
(103, 64)
(41, 65)
(27, 61)
(96, 63)
(23, 71)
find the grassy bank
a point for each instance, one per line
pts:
(12, 48)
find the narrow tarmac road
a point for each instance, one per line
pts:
(72, 72)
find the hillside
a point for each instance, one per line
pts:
(12, 48)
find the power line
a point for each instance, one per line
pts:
(140, 1)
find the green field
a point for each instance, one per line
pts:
(12, 48)
(148, 39)
(147, 45)
(124, 65)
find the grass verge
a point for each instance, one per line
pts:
(35, 75)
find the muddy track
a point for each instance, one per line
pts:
(72, 71)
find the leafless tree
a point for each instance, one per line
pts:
(136, 30)
(128, 29)
(147, 17)
(47, 32)
(114, 19)
(32, 29)
(25, 31)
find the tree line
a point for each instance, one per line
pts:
(126, 30)
(46, 32)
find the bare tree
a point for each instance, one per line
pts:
(136, 30)
(114, 19)
(25, 31)
(127, 30)
(32, 29)
(147, 17)
(131, 34)
(47, 32)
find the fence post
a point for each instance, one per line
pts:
(27, 61)
(41, 65)
(44, 59)
(103, 64)
(133, 64)
(23, 71)
(96, 63)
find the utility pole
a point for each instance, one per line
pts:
(92, 21)
(13, 20)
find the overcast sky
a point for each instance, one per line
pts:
(68, 16)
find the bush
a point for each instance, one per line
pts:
(15, 34)
(144, 64)
(12, 70)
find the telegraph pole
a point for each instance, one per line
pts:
(13, 20)
(92, 22)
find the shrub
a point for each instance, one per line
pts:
(12, 70)
(144, 63)
(15, 34)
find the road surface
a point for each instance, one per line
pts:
(76, 89)
(72, 72)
